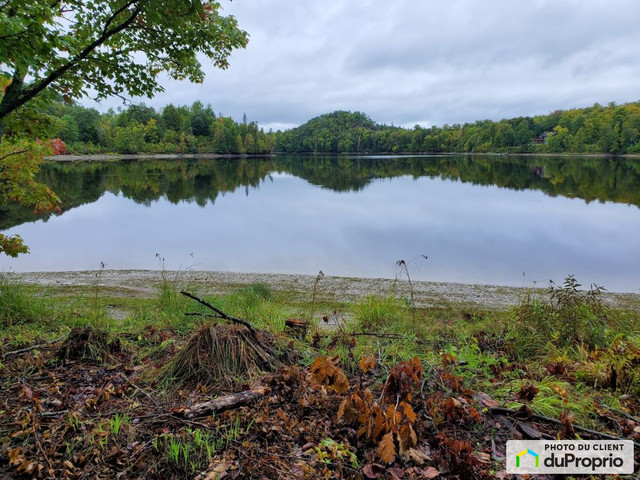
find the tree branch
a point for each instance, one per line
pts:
(220, 313)
(21, 96)
(13, 153)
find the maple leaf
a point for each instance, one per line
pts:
(387, 449)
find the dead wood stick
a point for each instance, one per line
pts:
(393, 336)
(33, 347)
(220, 313)
(577, 428)
(622, 413)
(226, 402)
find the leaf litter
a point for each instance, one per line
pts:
(95, 408)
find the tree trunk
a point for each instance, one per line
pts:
(11, 94)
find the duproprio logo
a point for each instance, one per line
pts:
(593, 457)
(527, 452)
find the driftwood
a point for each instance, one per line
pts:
(226, 402)
(219, 313)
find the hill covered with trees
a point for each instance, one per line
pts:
(614, 129)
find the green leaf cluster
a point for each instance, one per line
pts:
(112, 47)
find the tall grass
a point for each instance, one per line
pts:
(20, 305)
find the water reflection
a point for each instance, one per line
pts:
(347, 216)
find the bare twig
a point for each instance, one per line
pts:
(396, 336)
(33, 347)
(220, 313)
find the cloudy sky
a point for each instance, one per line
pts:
(426, 62)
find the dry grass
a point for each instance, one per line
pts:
(87, 343)
(222, 356)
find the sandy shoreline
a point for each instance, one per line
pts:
(144, 284)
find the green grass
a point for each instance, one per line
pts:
(521, 342)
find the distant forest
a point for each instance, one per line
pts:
(612, 129)
(142, 129)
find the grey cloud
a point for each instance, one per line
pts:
(436, 62)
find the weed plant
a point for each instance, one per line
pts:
(568, 317)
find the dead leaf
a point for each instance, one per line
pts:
(367, 363)
(372, 470)
(396, 473)
(407, 438)
(343, 405)
(486, 400)
(416, 456)
(325, 372)
(408, 412)
(27, 392)
(219, 471)
(386, 449)
(430, 472)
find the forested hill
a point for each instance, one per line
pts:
(614, 129)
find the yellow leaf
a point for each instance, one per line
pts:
(386, 449)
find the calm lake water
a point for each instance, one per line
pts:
(495, 220)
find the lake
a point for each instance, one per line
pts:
(490, 219)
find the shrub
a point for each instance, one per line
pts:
(568, 317)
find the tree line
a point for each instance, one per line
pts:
(142, 129)
(612, 129)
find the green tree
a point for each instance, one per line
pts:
(69, 129)
(52, 49)
(113, 46)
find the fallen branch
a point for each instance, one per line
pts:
(622, 413)
(220, 313)
(577, 428)
(33, 347)
(226, 402)
(393, 336)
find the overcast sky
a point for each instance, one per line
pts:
(426, 62)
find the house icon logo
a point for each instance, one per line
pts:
(527, 452)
